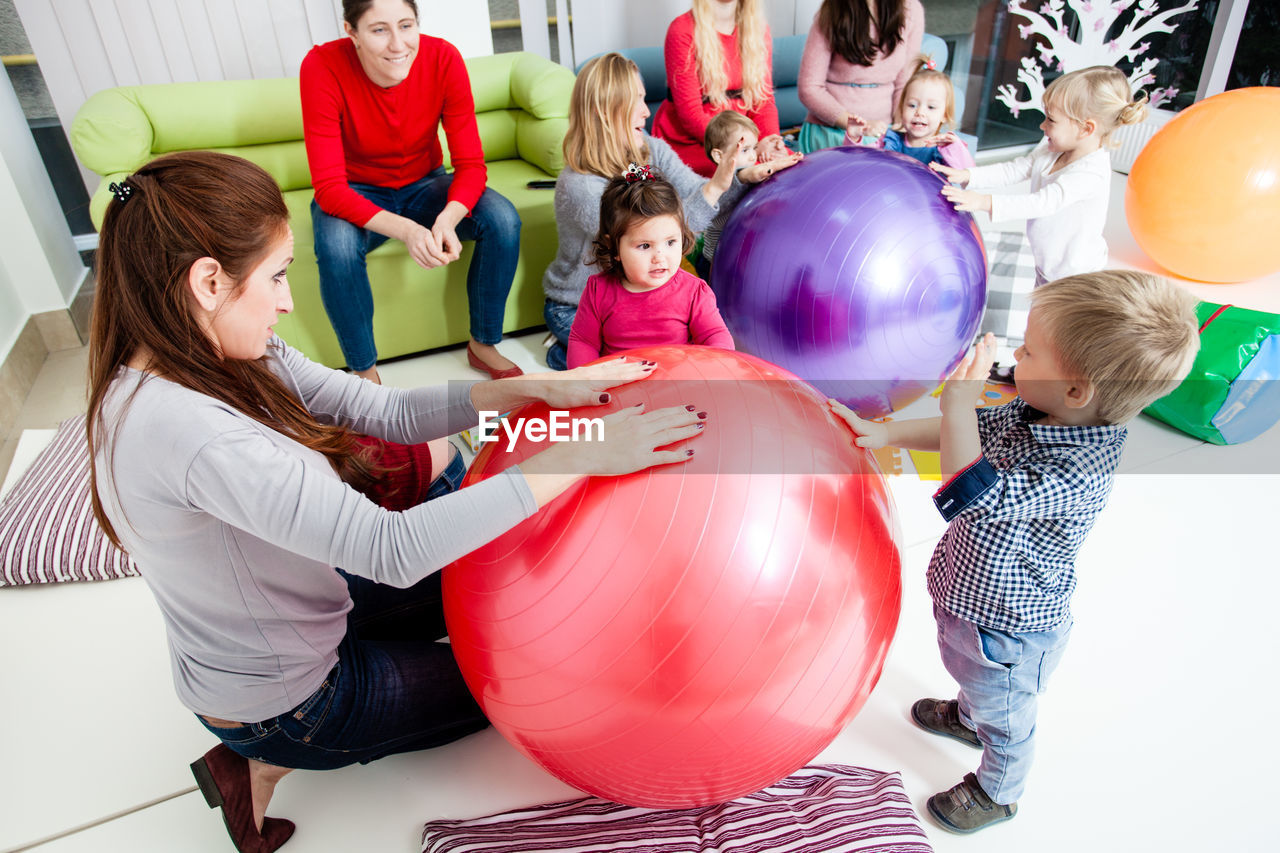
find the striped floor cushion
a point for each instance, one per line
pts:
(47, 530)
(820, 808)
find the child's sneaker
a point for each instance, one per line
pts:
(967, 808)
(942, 717)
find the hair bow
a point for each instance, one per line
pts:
(121, 191)
(637, 172)
(930, 64)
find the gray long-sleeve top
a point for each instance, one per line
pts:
(577, 205)
(237, 529)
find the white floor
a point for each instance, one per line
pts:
(1155, 734)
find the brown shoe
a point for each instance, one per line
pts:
(223, 777)
(942, 717)
(967, 808)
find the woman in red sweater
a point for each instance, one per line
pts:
(719, 56)
(372, 105)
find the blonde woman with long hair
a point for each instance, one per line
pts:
(606, 134)
(719, 56)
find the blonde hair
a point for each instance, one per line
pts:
(753, 43)
(1131, 335)
(1099, 93)
(923, 71)
(724, 130)
(599, 140)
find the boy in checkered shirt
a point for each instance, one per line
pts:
(1024, 483)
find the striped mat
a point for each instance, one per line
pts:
(827, 807)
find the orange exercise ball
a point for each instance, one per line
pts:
(1203, 198)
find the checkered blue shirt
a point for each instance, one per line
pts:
(1017, 518)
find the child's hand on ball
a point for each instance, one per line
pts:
(869, 434)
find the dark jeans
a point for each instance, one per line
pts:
(394, 688)
(341, 248)
(559, 317)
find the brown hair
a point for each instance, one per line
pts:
(353, 10)
(847, 25)
(1100, 93)
(921, 71)
(624, 203)
(1131, 335)
(180, 208)
(724, 130)
(599, 140)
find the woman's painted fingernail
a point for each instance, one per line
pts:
(702, 414)
(604, 398)
(688, 452)
(690, 408)
(699, 425)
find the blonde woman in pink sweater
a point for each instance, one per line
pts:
(857, 59)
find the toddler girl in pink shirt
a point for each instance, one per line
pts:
(641, 297)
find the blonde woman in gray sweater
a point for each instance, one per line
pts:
(606, 134)
(230, 468)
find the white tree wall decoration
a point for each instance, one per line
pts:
(1095, 18)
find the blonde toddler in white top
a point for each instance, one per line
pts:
(1070, 172)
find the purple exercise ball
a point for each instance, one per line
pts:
(852, 271)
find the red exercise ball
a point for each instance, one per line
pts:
(686, 635)
(1203, 197)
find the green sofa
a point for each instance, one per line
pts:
(522, 108)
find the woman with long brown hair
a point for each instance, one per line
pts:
(230, 468)
(606, 134)
(857, 59)
(719, 56)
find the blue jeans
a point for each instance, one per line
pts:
(394, 688)
(559, 317)
(341, 248)
(1000, 676)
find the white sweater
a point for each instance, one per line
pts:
(1065, 211)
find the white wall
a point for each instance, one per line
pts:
(40, 269)
(599, 27)
(84, 46)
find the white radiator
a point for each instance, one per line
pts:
(1131, 138)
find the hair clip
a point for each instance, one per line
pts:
(122, 190)
(930, 63)
(639, 173)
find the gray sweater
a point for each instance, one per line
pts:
(237, 528)
(578, 216)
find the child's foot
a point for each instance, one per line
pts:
(1001, 374)
(942, 717)
(967, 808)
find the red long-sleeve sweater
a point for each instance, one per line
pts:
(682, 119)
(358, 132)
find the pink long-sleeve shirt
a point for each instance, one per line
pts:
(611, 318)
(824, 76)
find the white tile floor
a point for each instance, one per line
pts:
(1147, 733)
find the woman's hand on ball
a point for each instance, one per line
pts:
(589, 385)
(632, 437)
(868, 434)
